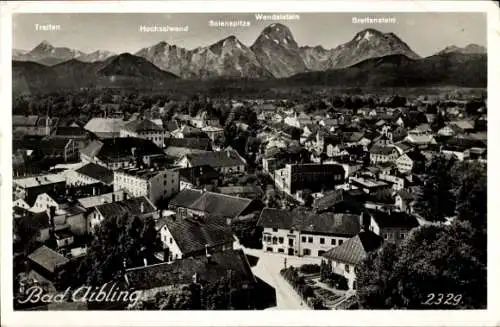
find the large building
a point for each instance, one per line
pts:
(156, 185)
(305, 233)
(226, 161)
(122, 152)
(145, 129)
(28, 188)
(315, 177)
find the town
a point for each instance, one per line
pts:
(304, 201)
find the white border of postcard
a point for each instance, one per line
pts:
(488, 317)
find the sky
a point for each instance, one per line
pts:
(426, 33)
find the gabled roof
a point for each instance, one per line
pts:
(306, 221)
(97, 172)
(47, 258)
(141, 125)
(394, 219)
(105, 125)
(354, 250)
(121, 147)
(185, 198)
(192, 235)
(226, 158)
(34, 181)
(131, 206)
(181, 272)
(384, 150)
(189, 142)
(94, 201)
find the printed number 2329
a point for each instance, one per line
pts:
(445, 299)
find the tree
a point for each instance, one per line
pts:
(437, 267)
(118, 243)
(470, 188)
(437, 201)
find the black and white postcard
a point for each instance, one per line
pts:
(231, 157)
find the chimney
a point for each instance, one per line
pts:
(142, 207)
(94, 193)
(145, 262)
(207, 255)
(195, 278)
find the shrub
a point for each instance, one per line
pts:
(337, 281)
(310, 269)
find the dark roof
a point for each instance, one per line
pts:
(170, 125)
(181, 272)
(71, 131)
(385, 150)
(244, 189)
(98, 172)
(39, 220)
(48, 258)
(354, 250)
(312, 168)
(394, 219)
(189, 142)
(405, 195)
(328, 200)
(185, 198)
(202, 173)
(130, 206)
(120, 147)
(226, 158)
(215, 204)
(21, 120)
(141, 125)
(305, 221)
(191, 235)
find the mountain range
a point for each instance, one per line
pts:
(274, 54)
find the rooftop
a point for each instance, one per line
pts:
(226, 158)
(35, 181)
(131, 206)
(47, 258)
(97, 172)
(354, 250)
(305, 221)
(141, 173)
(181, 272)
(141, 125)
(192, 235)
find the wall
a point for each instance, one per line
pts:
(168, 241)
(346, 270)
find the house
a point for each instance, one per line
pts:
(88, 203)
(154, 184)
(246, 191)
(193, 236)
(120, 152)
(367, 185)
(305, 233)
(347, 257)
(315, 177)
(213, 132)
(28, 188)
(221, 207)
(198, 177)
(404, 163)
(145, 129)
(420, 139)
(404, 201)
(226, 161)
(91, 173)
(60, 148)
(380, 154)
(47, 262)
(105, 127)
(391, 226)
(188, 131)
(141, 207)
(176, 148)
(462, 126)
(203, 270)
(203, 119)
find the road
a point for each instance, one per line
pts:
(268, 269)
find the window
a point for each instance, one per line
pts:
(310, 239)
(281, 240)
(275, 230)
(269, 249)
(341, 241)
(170, 241)
(322, 241)
(275, 240)
(290, 241)
(303, 239)
(281, 250)
(402, 236)
(347, 269)
(306, 252)
(320, 253)
(291, 231)
(334, 241)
